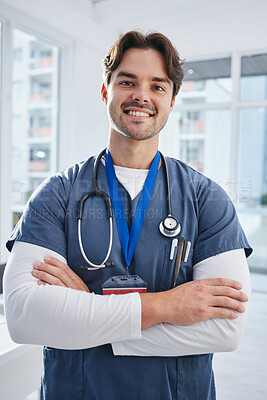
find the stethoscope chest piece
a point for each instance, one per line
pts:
(170, 227)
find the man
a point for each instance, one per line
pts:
(156, 345)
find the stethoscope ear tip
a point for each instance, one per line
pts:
(110, 264)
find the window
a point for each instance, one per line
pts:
(207, 81)
(34, 128)
(252, 158)
(201, 121)
(253, 78)
(205, 130)
(29, 123)
(202, 140)
(2, 318)
(220, 129)
(17, 54)
(33, 123)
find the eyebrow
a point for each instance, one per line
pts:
(126, 75)
(163, 80)
(133, 76)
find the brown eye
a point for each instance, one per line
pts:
(126, 83)
(159, 88)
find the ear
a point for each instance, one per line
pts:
(172, 103)
(104, 93)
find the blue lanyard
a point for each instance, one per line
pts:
(129, 240)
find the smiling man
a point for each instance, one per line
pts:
(138, 98)
(157, 340)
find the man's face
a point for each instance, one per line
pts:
(139, 96)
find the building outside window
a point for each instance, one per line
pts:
(203, 128)
(2, 319)
(201, 133)
(252, 158)
(35, 116)
(34, 126)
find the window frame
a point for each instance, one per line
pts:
(227, 105)
(12, 19)
(11, 354)
(234, 105)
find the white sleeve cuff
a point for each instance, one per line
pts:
(61, 317)
(210, 336)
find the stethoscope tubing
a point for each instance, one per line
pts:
(168, 190)
(96, 266)
(95, 191)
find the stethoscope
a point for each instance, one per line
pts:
(169, 227)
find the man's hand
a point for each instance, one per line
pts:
(55, 272)
(193, 302)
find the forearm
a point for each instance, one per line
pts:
(62, 317)
(212, 335)
(165, 340)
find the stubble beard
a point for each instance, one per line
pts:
(120, 125)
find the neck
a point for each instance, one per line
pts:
(131, 153)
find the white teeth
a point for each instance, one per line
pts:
(138, 114)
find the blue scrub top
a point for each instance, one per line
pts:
(208, 220)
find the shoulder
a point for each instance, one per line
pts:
(60, 184)
(44, 217)
(70, 174)
(193, 180)
(184, 170)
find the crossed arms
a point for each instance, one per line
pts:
(205, 315)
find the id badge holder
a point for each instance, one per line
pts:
(123, 284)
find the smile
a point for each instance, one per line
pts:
(138, 114)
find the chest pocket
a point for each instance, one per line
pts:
(167, 276)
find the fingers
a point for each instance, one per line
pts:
(55, 272)
(223, 282)
(218, 287)
(58, 265)
(41, 283)
(224, 313)
(227, 299)
(204, 299)
(229, 303)
(49, 274)
(225, 293)
(229, 292)
(61, 270)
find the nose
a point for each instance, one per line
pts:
(140, 95)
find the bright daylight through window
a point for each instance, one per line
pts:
(1, 295)
(201, 132)
(252, 164)
(35, 119)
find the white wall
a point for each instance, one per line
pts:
(86, 133)
(196, 27)
(241, 27)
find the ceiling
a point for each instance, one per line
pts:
(197, 28)
(120, 15)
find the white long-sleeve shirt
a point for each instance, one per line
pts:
(71, 319)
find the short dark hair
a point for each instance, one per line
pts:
(138, 40)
